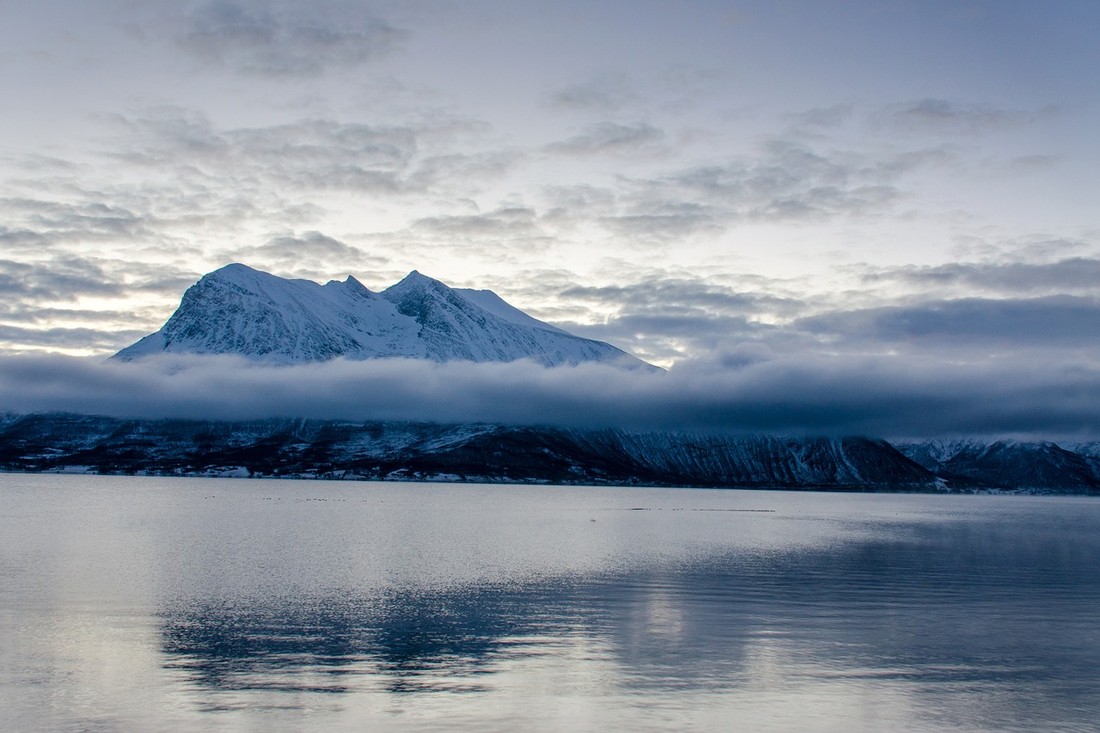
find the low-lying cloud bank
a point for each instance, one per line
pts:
(889, 397)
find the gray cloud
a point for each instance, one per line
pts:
(610, 138)
(307, 154)
(823, 117)
(1073, 275)
(942, 116)
(444, 171)
(69, 277)
(666, 221)
(60, 279)
(664, 318)
(506, 222)
(1031, 163)
(49, 221)
(674, 334)
(18, 338)
(790, 182)
(311, 154)
(312, 255)
(286, 39)
(672, 320)
(1035, 248)
(146, 220)
(605, 93)
(23, 239)
(310, 244)
(681, 293)
(971, 323)
(31, 291)
(822, 395)
(22, 313)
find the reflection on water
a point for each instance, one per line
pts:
(298, 605)
(414, 641)
(945, 608)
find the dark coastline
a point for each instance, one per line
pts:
(398, 451)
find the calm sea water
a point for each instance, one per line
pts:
(138, 604)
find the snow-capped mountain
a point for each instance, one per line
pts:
(239, 310)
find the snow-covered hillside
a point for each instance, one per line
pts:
(1008, 464)
(239, 310)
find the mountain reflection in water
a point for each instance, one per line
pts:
(415, 641)
(991, 627)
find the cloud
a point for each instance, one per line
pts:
(610, 138)
(677, 334)
(881, 396)
(679, 293)
(505, 222)
(81, 303)
(445, 171)
(670, 319)
(606, 93)
(823, 117)
(59, 280)
(319, 154)
(789, 182)
(307, 155)
(1031, 163)
(312, 255)
(287, 39)
(37, 315)
(941, 116)
(65, 278)
(48, 221)
(1080, 275)
(56, 337)
(662, 221)
(23, 239)
(970, 323)
(310, 244)
(1033, 248)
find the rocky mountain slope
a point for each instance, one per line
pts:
(1008, 464)
(424, 451)
(451, 452)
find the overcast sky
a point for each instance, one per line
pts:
(700, 183)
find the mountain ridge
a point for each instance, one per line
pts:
(239, 310)
(454, 452)
(481, 452)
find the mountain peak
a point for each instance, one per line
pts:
(235, 271)
(239, 269)
(352, 286)
(416, 280)
(239, 310)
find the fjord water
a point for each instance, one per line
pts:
(132, 604)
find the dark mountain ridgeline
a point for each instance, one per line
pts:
(496, 453)
(1008, 464)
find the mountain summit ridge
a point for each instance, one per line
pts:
(247, 312)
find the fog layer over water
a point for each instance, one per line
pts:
(201, 604)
